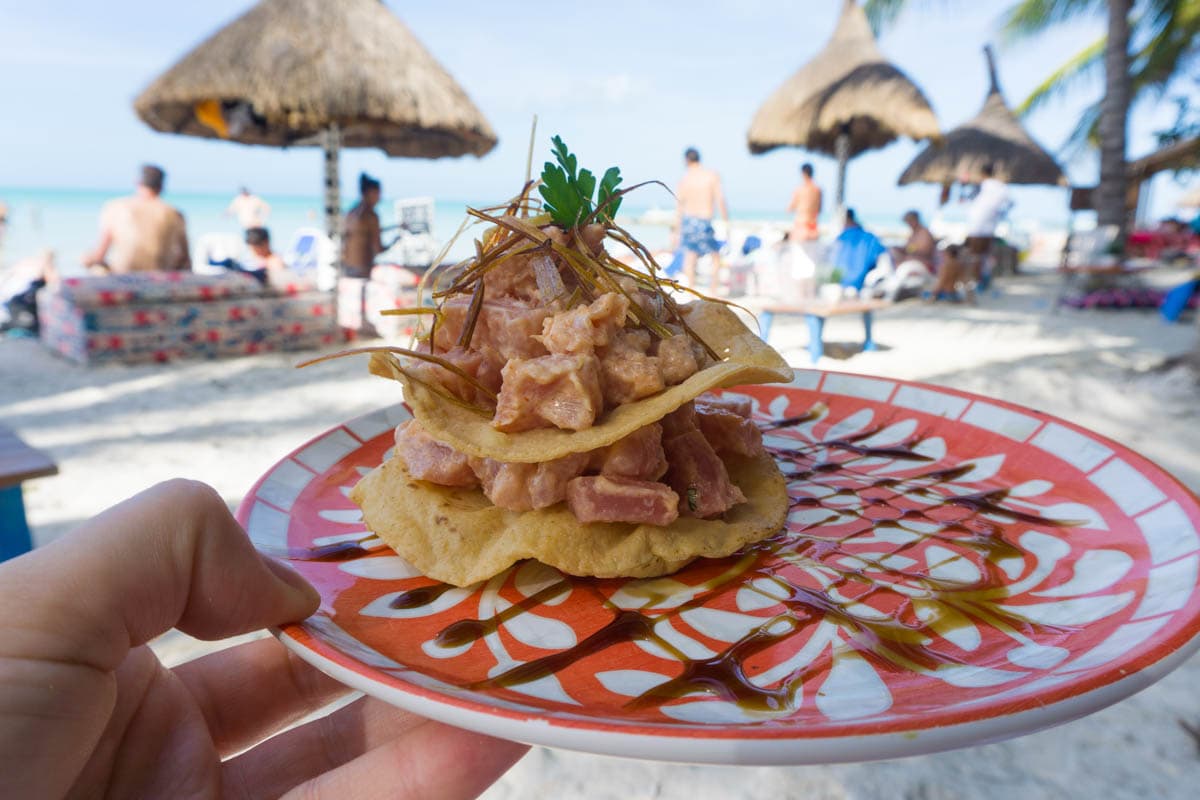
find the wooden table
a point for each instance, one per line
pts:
(18, 463)
(815, 314)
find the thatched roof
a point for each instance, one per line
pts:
(847, 86)
(291, 68)
(1184, 154)
(993, 136)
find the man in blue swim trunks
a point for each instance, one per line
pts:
(699, 195)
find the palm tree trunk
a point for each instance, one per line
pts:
(1114, 116)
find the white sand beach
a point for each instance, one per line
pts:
(115, 430)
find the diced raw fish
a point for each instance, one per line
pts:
(638, 455)
(698, 476)
(676, 359)
(603, 498)
(627, 375)
(557, 391)
(738, 405)
(522, 487)
(504, 328)
(428, 459)
(584, 328)
(729, 432)
(472, 362)
(635, 339)
(511, 277)
(681, 420)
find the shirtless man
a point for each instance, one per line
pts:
(805, 235)
(141, 233)
(250, 209)
(806, 205)
(361, 240)
(699, 195)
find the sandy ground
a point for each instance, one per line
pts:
(116, 430)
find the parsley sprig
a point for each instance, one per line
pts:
(567, 190)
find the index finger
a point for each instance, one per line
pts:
(173, 556)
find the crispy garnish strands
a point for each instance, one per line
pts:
(385, 365)
(593, 275)
(614, 200)
(464, 339)
(417, 354)
(404, 312)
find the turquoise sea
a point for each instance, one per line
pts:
(65, 220)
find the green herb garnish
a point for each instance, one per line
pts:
(693, 498)
(567, 190)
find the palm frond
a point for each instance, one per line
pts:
(1170, 50)
(1030, 17)
(1083, 64)
(1084, 136)
(882, 13)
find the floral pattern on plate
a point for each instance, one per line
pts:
(949, 565)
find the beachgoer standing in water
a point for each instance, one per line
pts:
(699, 195)
(250, 209)
(361, 240)
(141, 233)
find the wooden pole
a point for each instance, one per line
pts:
(333, 200)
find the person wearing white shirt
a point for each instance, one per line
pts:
(988, 207)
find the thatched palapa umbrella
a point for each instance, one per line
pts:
(318, 72)
(994, 136)
(845, 101)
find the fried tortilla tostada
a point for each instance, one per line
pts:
(561, 409)
(458, 536)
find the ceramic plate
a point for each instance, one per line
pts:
(954, 570)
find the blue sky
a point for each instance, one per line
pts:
(630, 83)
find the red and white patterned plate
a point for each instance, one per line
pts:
(954, 570)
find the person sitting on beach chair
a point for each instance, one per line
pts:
(949, 275)
(910, 268)
(263, 264)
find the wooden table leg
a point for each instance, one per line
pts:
(816, 334)
(14, 528)
(868, 342)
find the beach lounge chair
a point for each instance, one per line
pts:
(1093, 276)
(212, 249)
(312, 255)
(416, 246)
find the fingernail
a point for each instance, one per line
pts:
(293, 579)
